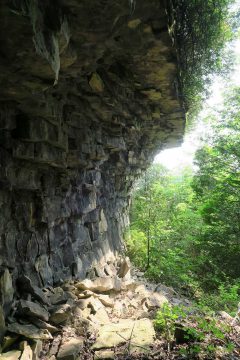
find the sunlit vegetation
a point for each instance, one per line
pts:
(185, 228)
(200, 30)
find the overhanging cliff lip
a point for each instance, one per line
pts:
(72, 146)
(113, 60)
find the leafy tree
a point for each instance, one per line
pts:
(217, 185)
(200, 29)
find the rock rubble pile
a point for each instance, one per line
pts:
(100, 317)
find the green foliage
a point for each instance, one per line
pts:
(186, 228)
(137, 247)
(202, 333)
(225, 298)
(217, 186)
(200, 29)
(166, 321)
(163, 213)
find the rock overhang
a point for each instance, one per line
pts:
(89, 93)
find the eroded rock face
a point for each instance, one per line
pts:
(88, 94)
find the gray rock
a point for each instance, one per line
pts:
(124, 267)
(31, 309)
(58, 296)
(61, 314)
(44, 325)
(100, 284)
(70, 349)
(6, 291)
(29, 331)
(11, 355)
(25, 285)
(27, 353)
(70, 153)
(36, 349)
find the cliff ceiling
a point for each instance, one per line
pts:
(89, 93)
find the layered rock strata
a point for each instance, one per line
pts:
(89, 93)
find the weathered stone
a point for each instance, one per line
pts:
(155, 300)
(11, 355)
(61, 314)
(165, 290)
(100, 317)
(58, 297)
(110, 269)
(106, 300)
(124, 268)
(27, 353)
(70, 349)
(54, 346)
(72, 145)
(36, 349)
(99, 271)
(94, 304)
(2, 324)
(104, 355)
(141, 333)
(44, 325)
(31, 309)
(25, 285)
(6, 291)
(8, 341)
(29, 331)
(100, 284)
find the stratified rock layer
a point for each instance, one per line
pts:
(88, 95)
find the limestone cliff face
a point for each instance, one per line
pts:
(88, 95)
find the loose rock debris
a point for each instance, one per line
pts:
(107, 317)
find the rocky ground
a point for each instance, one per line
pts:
(106, 316)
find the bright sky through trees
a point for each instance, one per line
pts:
(177, 158)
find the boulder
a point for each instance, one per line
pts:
(29, 331)
(37, 349)
(100, 284)
(59, 296)
(69, 350)
(61, 314)
(11, 355)
(139, 333)
(155, 300)
(124, 267)
(25, 285)
(165, 290)
(27, 353)
(31, 309)
(44, 325)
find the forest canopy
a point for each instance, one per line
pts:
(185, 228)
(200, 30)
